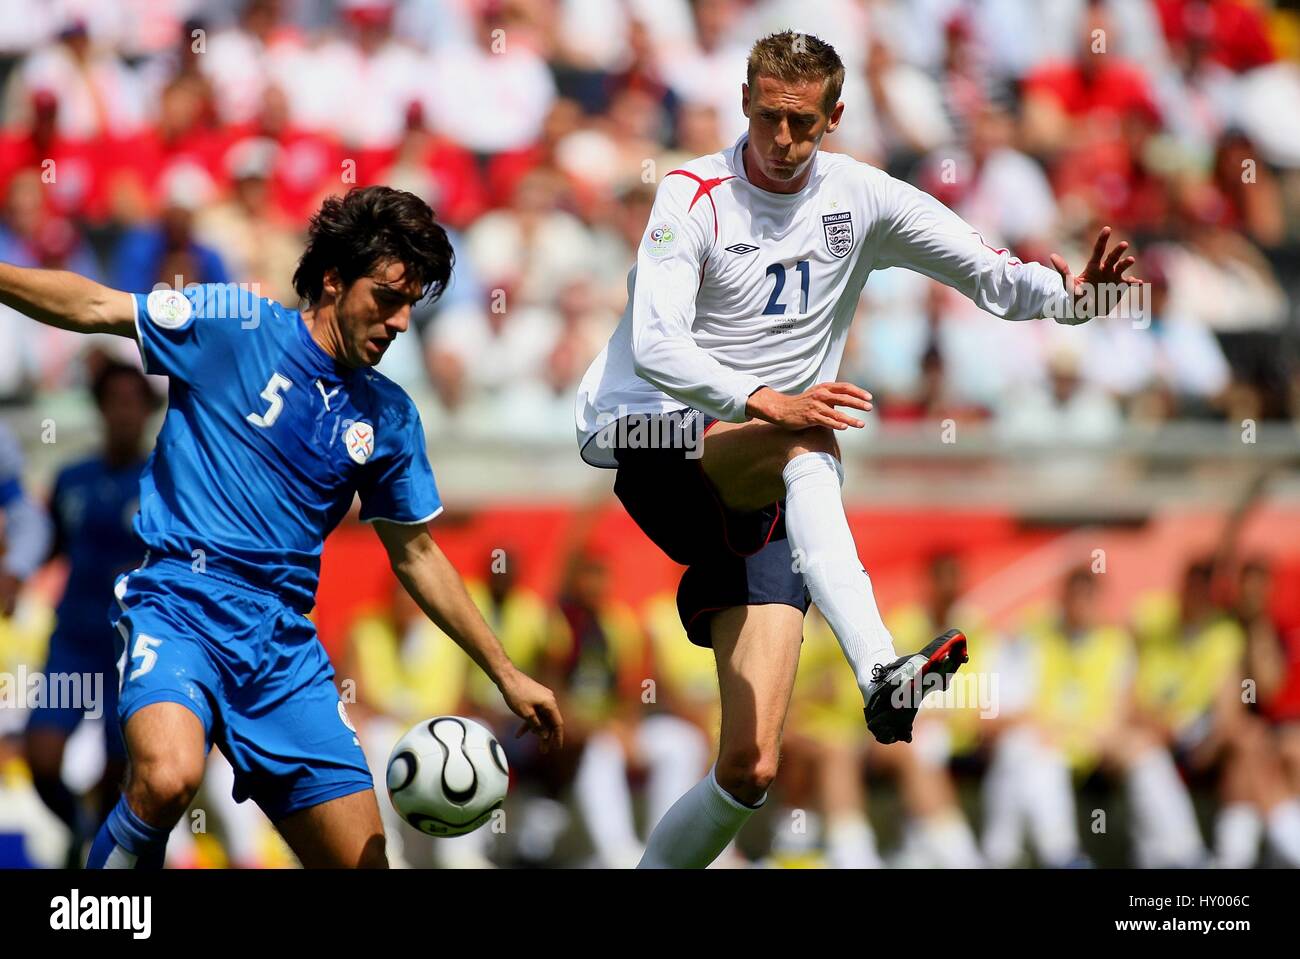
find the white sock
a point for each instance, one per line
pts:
(1236, 836)
(1284, 831)
(851, 843)
(949, 842)
(1004, 816)
(823, 546)
(1164, 822)
(605, 801)
(1049, 802)
(674, 751)
(1004, 823)
(697, 828)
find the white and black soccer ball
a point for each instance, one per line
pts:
(447, 775)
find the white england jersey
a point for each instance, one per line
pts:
(736, 288)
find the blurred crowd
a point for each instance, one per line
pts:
(142, 143)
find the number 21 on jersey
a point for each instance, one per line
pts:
(774, 305)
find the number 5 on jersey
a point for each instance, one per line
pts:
(144, 651)
(274, 387)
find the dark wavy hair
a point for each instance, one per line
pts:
(369, 227)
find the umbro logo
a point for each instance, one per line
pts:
(740, 248)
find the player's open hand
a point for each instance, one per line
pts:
(535, 705)
(816, 407)
(1097, 289)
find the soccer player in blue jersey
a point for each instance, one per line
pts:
(276, 419)
(93, 506)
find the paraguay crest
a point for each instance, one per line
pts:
(838, 228)
(360, 441)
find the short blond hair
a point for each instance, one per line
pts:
(791, 56)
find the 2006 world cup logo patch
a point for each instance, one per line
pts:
(838, 228)
(168, 308)
(659, 239)
(359, 440)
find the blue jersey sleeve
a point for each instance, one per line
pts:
(398, 485)
(186, 334)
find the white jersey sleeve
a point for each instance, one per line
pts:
(669, 269)
(921, 234)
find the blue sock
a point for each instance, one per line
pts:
(126, 841)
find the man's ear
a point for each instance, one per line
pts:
(331, 284)
(744, 99)
(836, 115)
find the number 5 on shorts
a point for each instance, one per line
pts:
(144, 651)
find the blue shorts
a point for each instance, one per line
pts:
(254, 673)
(731, 558)
(83, 647)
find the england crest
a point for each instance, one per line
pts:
(838, 228)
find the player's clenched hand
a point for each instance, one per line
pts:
(816, 407)
(535, 705)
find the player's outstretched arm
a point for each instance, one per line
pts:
(919, 233)
(66, 300)
(426, 573)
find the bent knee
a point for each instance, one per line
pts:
(747, 773)
(163, 790)
(814, 439)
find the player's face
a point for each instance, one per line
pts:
(373, 310)
(786, 124)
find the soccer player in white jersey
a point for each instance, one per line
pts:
(716, 400)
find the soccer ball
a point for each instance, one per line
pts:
(447, 775)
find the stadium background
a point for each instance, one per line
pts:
(142, 140)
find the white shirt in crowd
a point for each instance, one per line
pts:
(489, 102)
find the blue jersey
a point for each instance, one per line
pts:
(266, 441)
(93, 507)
